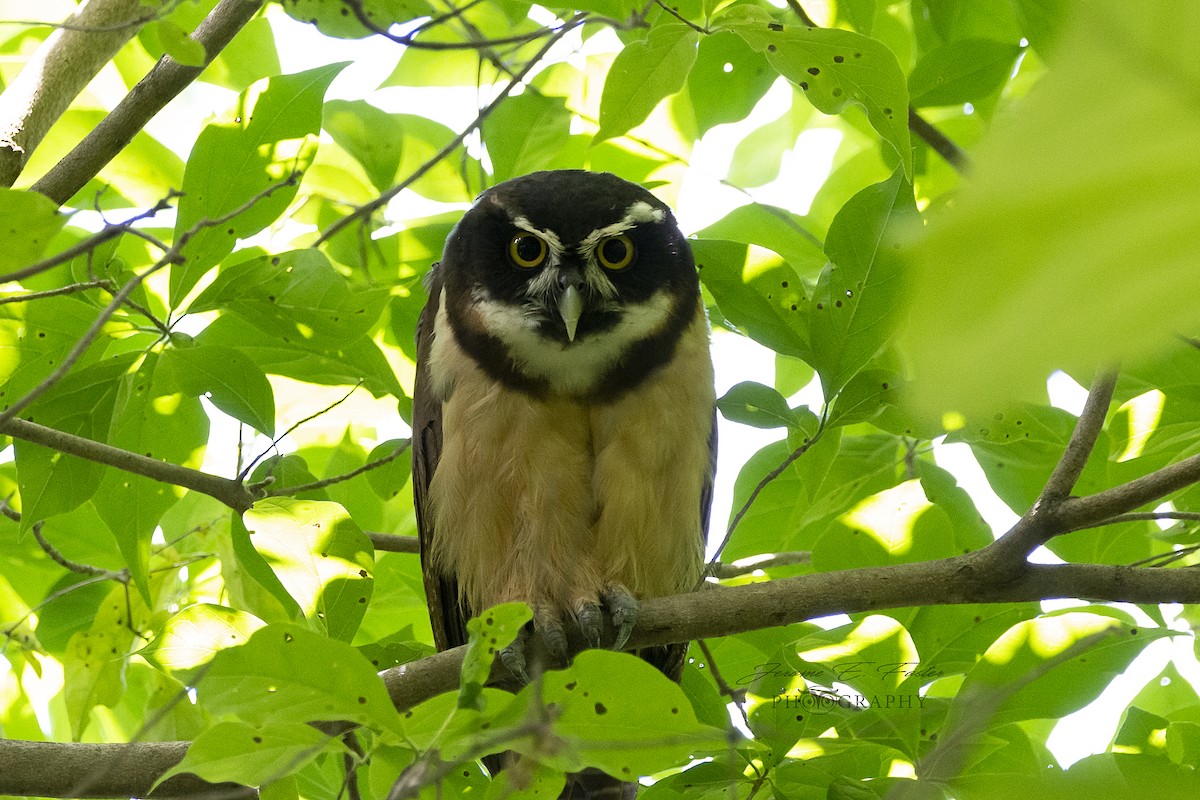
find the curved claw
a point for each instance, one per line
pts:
(513, 656)
(591, 622)
(548, 623)
(624, 609)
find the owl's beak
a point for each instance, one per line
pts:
(570, 298)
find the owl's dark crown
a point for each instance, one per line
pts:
(569, 282)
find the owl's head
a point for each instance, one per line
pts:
(568, 280)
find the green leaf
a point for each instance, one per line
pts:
(332, 17)
(1017, 449)
(28, 221)
(525, 134)
(774, 228)
(252, 755)
(390, 479)
(317, 360)
(855, 299)
(196, 634)
(272, 136)
(151, 417)
(287, 674)
(490, 632)
(756, 291)
(178, 45)
(371, 135)
(1048, 667)
(618, 713)
(834, 68)
(756, 405)
(250, 57)
(1090, 177)
(81, 404)
(231, 380)
(642, 74)
(323, 559)
(297, 294)
(962, 71)
(727, 80)
(94, 663)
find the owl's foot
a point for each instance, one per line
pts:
(622, 608)
(548, 624)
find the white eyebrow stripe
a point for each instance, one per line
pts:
(636, 214)
(545, 234)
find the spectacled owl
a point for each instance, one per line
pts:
(563, 418)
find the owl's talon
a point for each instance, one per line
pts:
(591, 622)
(624, 609)
(513, 656)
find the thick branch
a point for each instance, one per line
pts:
(390, 543)
(706, 614)
(166, 80)
(102, 770)
(55, 75)
(1082, 512)
(229, 492)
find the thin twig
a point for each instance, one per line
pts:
(321, 484)
(1138, 516)
(409, 40)
(680, 17)
(74, 566)
(172, 256)
(383, 199)
(941, 144)
(736, 696)
(749, 565)
(70, 289)
(87, 245)
(230, 492)
(762, 484)
(242, 473)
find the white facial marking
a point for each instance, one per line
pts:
(575, 368)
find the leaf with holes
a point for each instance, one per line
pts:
(251, 755)
(834, 68)
(288, 674)
(856, 296)
(619, 714)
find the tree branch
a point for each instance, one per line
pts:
(86, 246)
(390, 543)
(1083, 439)
(410, 40)
(321, 484)
(230, 492)
(166, 80)
(55, 75)
(669, 620)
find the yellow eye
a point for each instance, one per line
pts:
(527, 251)
(615, 252)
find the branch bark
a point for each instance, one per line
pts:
(56, 73)
(166, 80)
(230, 492)
(681, 618)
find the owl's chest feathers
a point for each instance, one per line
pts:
(540, 496)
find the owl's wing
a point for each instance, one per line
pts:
(448, 618)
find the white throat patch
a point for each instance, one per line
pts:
(576, 368)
